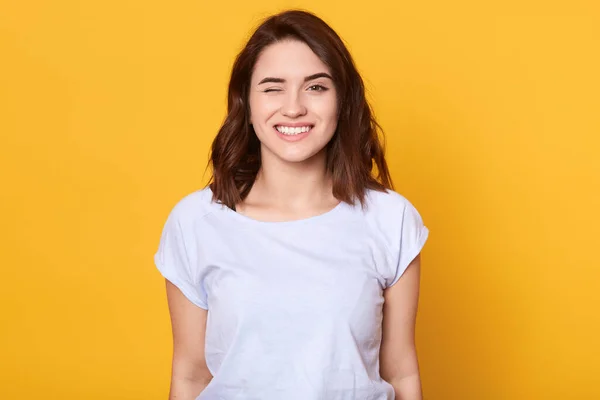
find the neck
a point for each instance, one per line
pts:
(293, 185)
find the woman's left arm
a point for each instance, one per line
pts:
(398, 355)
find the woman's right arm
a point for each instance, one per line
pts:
(189, 374)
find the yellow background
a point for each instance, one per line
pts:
(107, 111)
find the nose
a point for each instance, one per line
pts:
(293, 105)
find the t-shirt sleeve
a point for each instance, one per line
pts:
(175, 258)
(413, 235)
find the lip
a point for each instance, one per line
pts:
(294, 124)
(293, 138)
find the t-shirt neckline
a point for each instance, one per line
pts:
(249, 220)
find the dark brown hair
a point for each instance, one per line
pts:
(355, 147)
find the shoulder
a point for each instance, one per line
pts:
(386, 204)
(398, 224)
(193, 206)
(392, 215)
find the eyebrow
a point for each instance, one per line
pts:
(306, 79)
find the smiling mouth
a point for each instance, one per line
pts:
(293, 130)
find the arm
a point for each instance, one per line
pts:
(190, 374)
(398, 355)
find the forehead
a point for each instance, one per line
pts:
(288, 59)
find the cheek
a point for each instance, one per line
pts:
(328, 109)
(261, 108)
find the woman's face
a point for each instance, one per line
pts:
(293, 102)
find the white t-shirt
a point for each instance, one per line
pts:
(295, 307)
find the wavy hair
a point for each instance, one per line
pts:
(355, 148)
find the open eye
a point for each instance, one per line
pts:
(317, 88)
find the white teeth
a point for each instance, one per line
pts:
(288, 130)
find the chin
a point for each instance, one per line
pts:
(293, 153)
(295, 158)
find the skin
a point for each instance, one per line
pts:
(293, 184)
(189, 373)
(398, 362)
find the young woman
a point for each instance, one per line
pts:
(278, 271)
